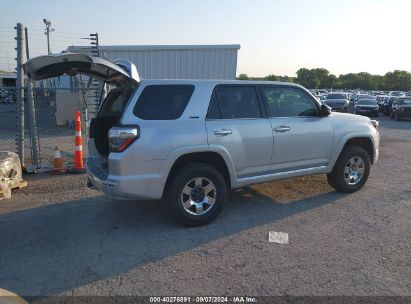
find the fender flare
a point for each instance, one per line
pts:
(340, 146)
(175, 154)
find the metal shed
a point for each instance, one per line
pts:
(175, 61)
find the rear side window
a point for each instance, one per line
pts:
(230, 102)
(163, 102)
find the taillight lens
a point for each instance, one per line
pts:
(119, 138)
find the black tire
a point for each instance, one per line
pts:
(336, 178)
(391, 115)
(397, 116)
(179, 180)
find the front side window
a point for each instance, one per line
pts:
(288, 102)
(229, 102)
(163, 102)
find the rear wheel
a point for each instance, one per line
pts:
(351, 170)
(196, 194)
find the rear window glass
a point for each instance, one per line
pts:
(163, 102)
(114, 104)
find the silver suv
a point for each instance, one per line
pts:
(190, 141)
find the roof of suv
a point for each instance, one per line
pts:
(215, 82)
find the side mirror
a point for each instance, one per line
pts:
(325, 110)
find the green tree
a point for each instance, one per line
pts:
(321, 78)
(243, 77)
(398, 80)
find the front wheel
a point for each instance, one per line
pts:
(196, 194)
(351, 170)
(397, 116)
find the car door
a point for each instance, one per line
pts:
(236, 123)
(302, 138)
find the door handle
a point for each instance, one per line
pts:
(222, 132)
(282, 129)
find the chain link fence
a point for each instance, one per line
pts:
(54, 121)
(8, 119)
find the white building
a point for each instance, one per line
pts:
(175, 61)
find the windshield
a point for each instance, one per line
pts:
(336, 96)
(367, 102)
(405, 101)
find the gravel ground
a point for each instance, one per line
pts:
(59, 238)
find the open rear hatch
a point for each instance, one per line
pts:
(120, 73)
(48, 66)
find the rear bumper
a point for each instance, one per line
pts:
(144, 186)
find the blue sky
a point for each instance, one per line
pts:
(276, 37)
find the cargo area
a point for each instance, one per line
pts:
(109, 115)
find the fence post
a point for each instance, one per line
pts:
(32, 111)
(20, 94)
(32, 120)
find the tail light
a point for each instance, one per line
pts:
(119, 138)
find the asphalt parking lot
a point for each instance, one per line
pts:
(57, 237)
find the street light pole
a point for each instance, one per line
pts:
(48, 30)
(47, 33)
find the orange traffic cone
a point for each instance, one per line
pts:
(78, 150)
(58, 167)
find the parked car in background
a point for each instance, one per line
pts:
(367, 107)
(338, 102)
(322, 98)
(396, 93)
(401, 108)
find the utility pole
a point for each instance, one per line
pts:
(94, 41)
(91, 106)
(48, 30)
(47, 33)
(20, 93)
(94, 49)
